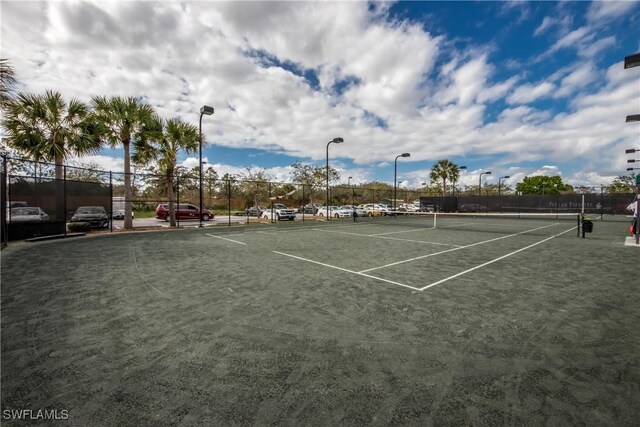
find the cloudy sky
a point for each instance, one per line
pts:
(516, 88)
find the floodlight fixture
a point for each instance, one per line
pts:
(632, 60)
(633, 118)
(206, 110)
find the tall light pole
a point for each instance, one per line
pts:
(480, 182)
(205, 110)
(395, 174)
(353, 196)
(336, 140)
(499, 188)
(454, 182)
(632, 61)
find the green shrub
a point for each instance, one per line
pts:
(79, 227)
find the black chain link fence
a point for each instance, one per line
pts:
(60, 194)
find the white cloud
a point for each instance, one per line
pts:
(579, 78)
(576, 37)
(592, 49)
(547, 22)
(528, 92)
(608, 10)
(386, 86)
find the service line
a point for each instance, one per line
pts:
(495, 260)
(225, 238)
(377, 236)
(346, 270)
(457, 248)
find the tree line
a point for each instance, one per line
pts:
(47, 128)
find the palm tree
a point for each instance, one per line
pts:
(125, 120)
(46, 128)
(168, 138)
(444, 169)
(7, 80)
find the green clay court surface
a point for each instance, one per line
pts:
(326, 324)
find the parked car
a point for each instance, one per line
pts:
(119, 214)
(360, 212)
(27, 214)
(310, 209)
(407, 208)
(94, 215)
(374, 209)
(184, 211)
(335, 211)
(255, 211)
(279, 212)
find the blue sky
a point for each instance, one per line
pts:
(518, 88)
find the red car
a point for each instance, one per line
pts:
(183, 212)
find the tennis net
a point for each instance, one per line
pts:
(505, 223)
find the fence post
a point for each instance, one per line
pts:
(601, 202)
(64, 197)
(111, 200)
(4, 238)
(271, 203)
(229, 200)
(303, 203)
(177, 200)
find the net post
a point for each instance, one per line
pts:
(578, 226)
(435, 220)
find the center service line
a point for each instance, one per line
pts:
(346, 270)
(494, 260)
(455, 249)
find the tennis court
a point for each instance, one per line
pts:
(460, 320)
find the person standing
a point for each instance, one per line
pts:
(633, 207)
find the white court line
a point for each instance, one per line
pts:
(492, 261)
(346, 270)
(224, 238)
(455, 249)
(377, 236)
(455, 225)
(403, 231)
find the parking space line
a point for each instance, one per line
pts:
(346, 270)
(225, 238)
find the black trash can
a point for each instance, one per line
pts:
(587, 226)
